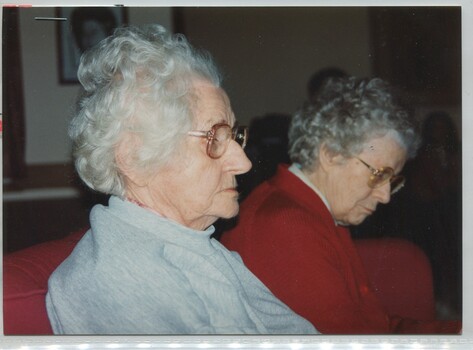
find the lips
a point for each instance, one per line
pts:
(229, 189)
(370, 211)
(232, 187)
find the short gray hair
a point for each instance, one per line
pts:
(138, 80)
(347, 113)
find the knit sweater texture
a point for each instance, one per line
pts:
(135, 272)
(288, 238)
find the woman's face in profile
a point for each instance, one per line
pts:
(198, 188)
(350, 197)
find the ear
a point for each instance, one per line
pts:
(328, 159)
(124, 153)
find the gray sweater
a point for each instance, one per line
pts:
(135, 272)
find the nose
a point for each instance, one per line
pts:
(383, 193)
(236, 160)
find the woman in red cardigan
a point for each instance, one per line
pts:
(347, 152)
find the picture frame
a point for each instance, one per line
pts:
(79, 28)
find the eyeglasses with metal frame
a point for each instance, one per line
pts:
(381, 176)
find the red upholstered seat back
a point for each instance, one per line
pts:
(401, 276)
(399, 272)
(25, 283)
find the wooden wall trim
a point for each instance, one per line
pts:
(45, 176)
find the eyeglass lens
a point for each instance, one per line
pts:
(222, 134)
(240, 135)
(380, 177)
(219, 140)
(397, 182)
(384, 175)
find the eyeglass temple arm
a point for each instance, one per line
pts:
(198, 133)
(373, 170)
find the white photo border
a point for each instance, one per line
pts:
(391, 342)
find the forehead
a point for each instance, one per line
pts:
(211, 105)
(385, 151)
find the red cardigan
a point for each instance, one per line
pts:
(288, 238)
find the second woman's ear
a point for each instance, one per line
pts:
(328, 159)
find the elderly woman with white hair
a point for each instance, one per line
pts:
(155, 130)
(347, 152)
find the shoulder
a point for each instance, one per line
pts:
(280, 221)
(274, 205)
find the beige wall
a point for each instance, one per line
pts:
(266, 55)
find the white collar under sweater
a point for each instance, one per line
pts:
(295, 168)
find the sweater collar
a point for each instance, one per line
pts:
(146, 220)
(295, 168)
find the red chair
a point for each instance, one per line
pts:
(25, 283)
(401, 275)
(399, 271)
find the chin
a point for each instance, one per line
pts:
(357, 221)
(353, 221)
(230, 212)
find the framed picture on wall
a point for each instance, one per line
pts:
(80, 29)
